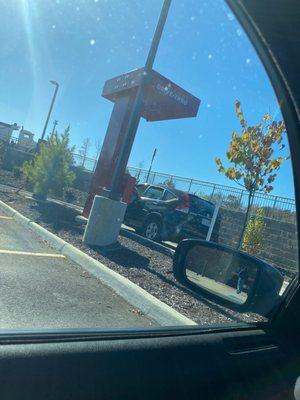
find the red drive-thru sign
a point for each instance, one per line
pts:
(162, 100)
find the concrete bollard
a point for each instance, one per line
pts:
(104, 223)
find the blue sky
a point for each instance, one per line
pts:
(81, 44)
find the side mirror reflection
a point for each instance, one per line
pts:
(227, 276)
(220, 272)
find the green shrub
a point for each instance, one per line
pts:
(254, 233)
(50, 171)
(17, 171)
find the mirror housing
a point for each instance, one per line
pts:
(135, 196)
(266, 281)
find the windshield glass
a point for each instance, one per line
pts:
(90, 113)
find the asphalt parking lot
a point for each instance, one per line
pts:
(42, 289)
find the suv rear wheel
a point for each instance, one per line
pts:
(152, 229)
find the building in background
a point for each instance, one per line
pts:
(25, 141)
(6, 131)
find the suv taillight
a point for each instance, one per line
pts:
(184, 205)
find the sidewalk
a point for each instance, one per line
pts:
(43, 289)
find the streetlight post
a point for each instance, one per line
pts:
(55, 123)
(50, 109)
(149, 170)
(135, 114)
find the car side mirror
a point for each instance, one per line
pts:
(135, 196)
(227, 276)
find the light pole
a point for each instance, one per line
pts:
(135, 114)
(50, 109)
(55, 123)
(149, 170)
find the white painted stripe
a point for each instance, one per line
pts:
(4, 217)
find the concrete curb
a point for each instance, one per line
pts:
(125, 232)
(147, 242)
(129, 291)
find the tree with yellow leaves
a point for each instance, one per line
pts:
(252, 154)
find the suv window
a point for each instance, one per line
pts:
(154, 193)
(201, 207)
(169, 196)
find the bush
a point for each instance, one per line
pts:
(17, 171)
(50, 171)
(254, 232)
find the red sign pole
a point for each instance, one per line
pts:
(113, 142)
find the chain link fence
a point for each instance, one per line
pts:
(86, 163)
(275, 207)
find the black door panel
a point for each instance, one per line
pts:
(200, 366)
(134, 213)
(142, 206)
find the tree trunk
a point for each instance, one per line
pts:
(22, 186)
(249, 205)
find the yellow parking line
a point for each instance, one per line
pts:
(29, 253)
(4, 217)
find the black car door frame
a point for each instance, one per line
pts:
(273, 28)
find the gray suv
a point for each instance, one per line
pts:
(162, 213)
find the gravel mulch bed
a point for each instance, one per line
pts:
(8, 178)
(146, 267)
